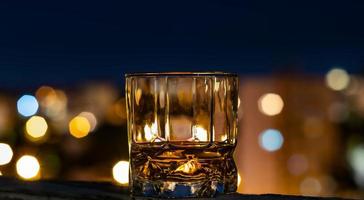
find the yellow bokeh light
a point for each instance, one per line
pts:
(28, 167)
(79, 127)
(120, 172)
(337, 79)
(6, 154)
(36, 127)
(270, 104)
(91, 119)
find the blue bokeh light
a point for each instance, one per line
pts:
(271, 140)
(27, 105)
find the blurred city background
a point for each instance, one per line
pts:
(301, 112)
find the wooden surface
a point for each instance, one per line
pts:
(11, 189)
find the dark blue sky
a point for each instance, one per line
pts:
(66, 43)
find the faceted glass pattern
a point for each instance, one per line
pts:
(182, 130)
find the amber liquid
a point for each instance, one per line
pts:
(182, 169)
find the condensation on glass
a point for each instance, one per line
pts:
(182, 130)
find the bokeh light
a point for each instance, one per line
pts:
(337, 79)
(79, 127)
(27, 105)
(28, 167)
(43, 93)
(297, 164)
(53, 102)
(36, 127)
(6, 154)
(120, 172)
(356, 160)
(270, 104)
(310, 186)
(91, 119)
(271, 140)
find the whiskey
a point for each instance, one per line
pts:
(182, 169)
(182, 130)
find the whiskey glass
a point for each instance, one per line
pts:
(182, 130)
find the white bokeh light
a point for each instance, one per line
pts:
(120, 172)
(337, 79)
(6, 154)
(270, 104)
(356, 160)
(27, 167)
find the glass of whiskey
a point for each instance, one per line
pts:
(182, 130)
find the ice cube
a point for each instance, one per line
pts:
(171, 154)
(149, 167)
(190, 167)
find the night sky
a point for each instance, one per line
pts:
(66, 43)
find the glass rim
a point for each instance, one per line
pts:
(188, 74)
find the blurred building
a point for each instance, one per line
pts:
(299, 134)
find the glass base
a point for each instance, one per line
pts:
(171, 171)
(170, 189)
